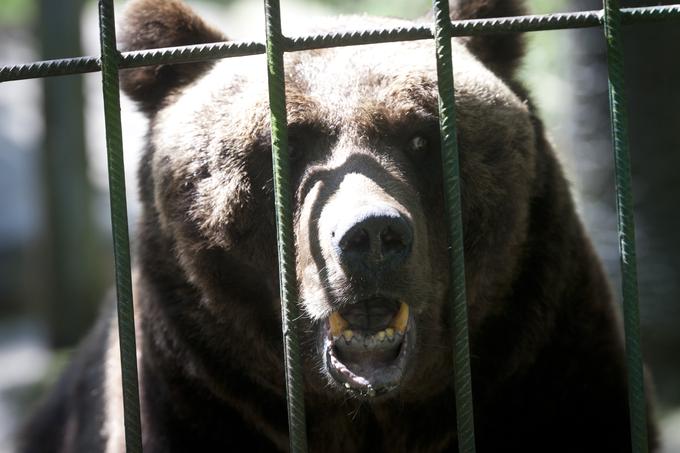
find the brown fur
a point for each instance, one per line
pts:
(547, 356)
(156, 25)
(501, 52)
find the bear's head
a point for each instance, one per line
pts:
(369, 213)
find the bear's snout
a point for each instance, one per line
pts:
(372, 240)
(361, 234)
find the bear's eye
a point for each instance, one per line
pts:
(418, 144)
(295, 149)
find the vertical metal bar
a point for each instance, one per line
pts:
(626, 226)
(284, 222)
(121, 247)
(450, 163)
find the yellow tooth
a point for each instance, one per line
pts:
(348, 334)
(400, 320)
(381, 335)
(390, 333)
(338, 324)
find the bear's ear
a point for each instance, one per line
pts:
(151, 24)
(500, 52)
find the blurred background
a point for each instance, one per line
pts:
(55, 245)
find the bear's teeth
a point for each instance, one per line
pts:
(348, 334)
(368, 340)
(337, 324)
(400, 320)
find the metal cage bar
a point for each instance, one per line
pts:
(451, 179)
(203, 52)
(626, 227)
(119, 222)
(297, 426)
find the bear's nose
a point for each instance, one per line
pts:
(373, 240)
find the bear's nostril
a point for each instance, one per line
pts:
(356, 240)
(392, 241)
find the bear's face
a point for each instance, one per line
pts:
(369, 213)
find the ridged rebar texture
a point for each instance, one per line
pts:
(297, 427)
(359, 37)
(119, 222)
(450, 171)
(190, 54)
(202, 52)
(49, 68)
(626, 226)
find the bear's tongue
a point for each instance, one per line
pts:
(362, 353)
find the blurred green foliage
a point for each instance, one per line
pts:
(416, 8)
(546, 6)
(17, 12)
(398, 8)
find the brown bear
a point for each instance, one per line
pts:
(371, 255)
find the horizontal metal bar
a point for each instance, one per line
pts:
(203, 52)
(133, 59)
(50, 68)
(359, 37)
(190, 54)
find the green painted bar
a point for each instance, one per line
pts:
(110, 59)
(212, 51)
(297, 427)
(626, 226)
(450, 164)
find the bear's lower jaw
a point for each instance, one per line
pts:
(367, 363)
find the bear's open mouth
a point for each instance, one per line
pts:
(367, 343)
